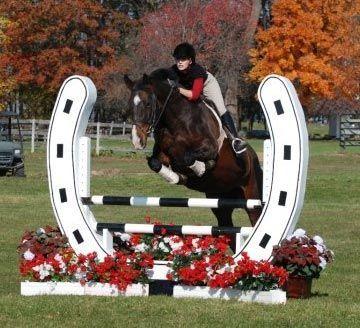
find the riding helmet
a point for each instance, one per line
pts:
(184, 51)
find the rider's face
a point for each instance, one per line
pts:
(183, 64)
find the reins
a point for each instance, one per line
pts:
(155, 121)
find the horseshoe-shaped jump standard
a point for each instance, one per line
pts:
(68, 163)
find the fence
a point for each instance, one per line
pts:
(36, 131)
(349, 130)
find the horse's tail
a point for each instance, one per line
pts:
(259, 176)
(256, 171)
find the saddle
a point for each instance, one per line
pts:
(211, 107)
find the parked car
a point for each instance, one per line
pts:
(11, 151)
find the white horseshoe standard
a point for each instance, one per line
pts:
(69, 171)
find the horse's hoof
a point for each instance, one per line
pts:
(210, 164)
(182, 179)
(154, 164)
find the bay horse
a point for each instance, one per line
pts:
(188, 148)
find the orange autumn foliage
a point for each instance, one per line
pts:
(313, 43)
(48, 40)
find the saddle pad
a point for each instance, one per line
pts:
(222, 134)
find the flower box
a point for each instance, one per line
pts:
(75, 288)
(276, 296)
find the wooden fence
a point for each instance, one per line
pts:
(349, 130)
(36, 131)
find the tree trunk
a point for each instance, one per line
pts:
(230, 98)
(247, 44)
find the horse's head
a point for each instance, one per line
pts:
(142, 104)
(146, 93)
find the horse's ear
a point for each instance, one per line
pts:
(128, 82)
(146, 79)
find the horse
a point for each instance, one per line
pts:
(190, 146)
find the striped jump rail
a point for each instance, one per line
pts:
(165, 229)
(173, 202)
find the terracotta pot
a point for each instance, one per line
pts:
(298, 287)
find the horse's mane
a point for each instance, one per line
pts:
(162, 74)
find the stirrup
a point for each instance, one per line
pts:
(238, 145)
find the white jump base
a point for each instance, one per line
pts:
(276, 296)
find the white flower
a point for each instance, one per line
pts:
(210, 271)
(125, 237)
(58, 258)
(44, 270)
(225, 268)
(318, 240)
(28, 255)
(198, 250)
(79, 274)
(195, 242)
(166, 240)
(141, 248)
(299, 233)
(40, 231)
(322, 263)
(176, 246)
(163, 247)
(320, 248)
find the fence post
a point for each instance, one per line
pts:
(111, 127)
(98, 138)
(124, 127)
(33, 126)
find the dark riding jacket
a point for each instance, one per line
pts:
(192, 79)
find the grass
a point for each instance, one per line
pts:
(331, 210)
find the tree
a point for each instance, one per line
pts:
(315, 44)
(216, 28)
(49, 40)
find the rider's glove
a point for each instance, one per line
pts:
(173, 84)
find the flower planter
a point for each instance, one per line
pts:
(75, 288)
(275, 296)
(298, 287)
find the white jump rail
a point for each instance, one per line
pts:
(68, 162)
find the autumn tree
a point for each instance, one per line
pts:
(49, 40)
(216, 28)
(316, 45)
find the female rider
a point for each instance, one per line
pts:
(195, 80)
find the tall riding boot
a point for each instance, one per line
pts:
(237, 144)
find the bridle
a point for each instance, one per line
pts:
(155, 119)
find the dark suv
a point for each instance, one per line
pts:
(11, 151)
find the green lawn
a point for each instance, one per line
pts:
(331, 210)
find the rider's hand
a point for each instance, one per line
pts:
(174, 84)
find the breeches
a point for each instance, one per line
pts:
(212, 92)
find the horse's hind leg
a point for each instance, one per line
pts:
(224, 216)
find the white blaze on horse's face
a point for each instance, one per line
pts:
(137, 100)
(135, 138)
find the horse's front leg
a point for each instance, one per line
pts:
(161, 165)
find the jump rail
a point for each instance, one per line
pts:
(166, 229)
(68, 162)
(172, 202)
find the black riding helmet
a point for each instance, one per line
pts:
(184, 51)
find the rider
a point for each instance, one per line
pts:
(195, 80)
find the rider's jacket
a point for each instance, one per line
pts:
(192, 79)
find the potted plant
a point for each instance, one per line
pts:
(304, 258)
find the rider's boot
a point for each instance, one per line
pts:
(237, 144)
